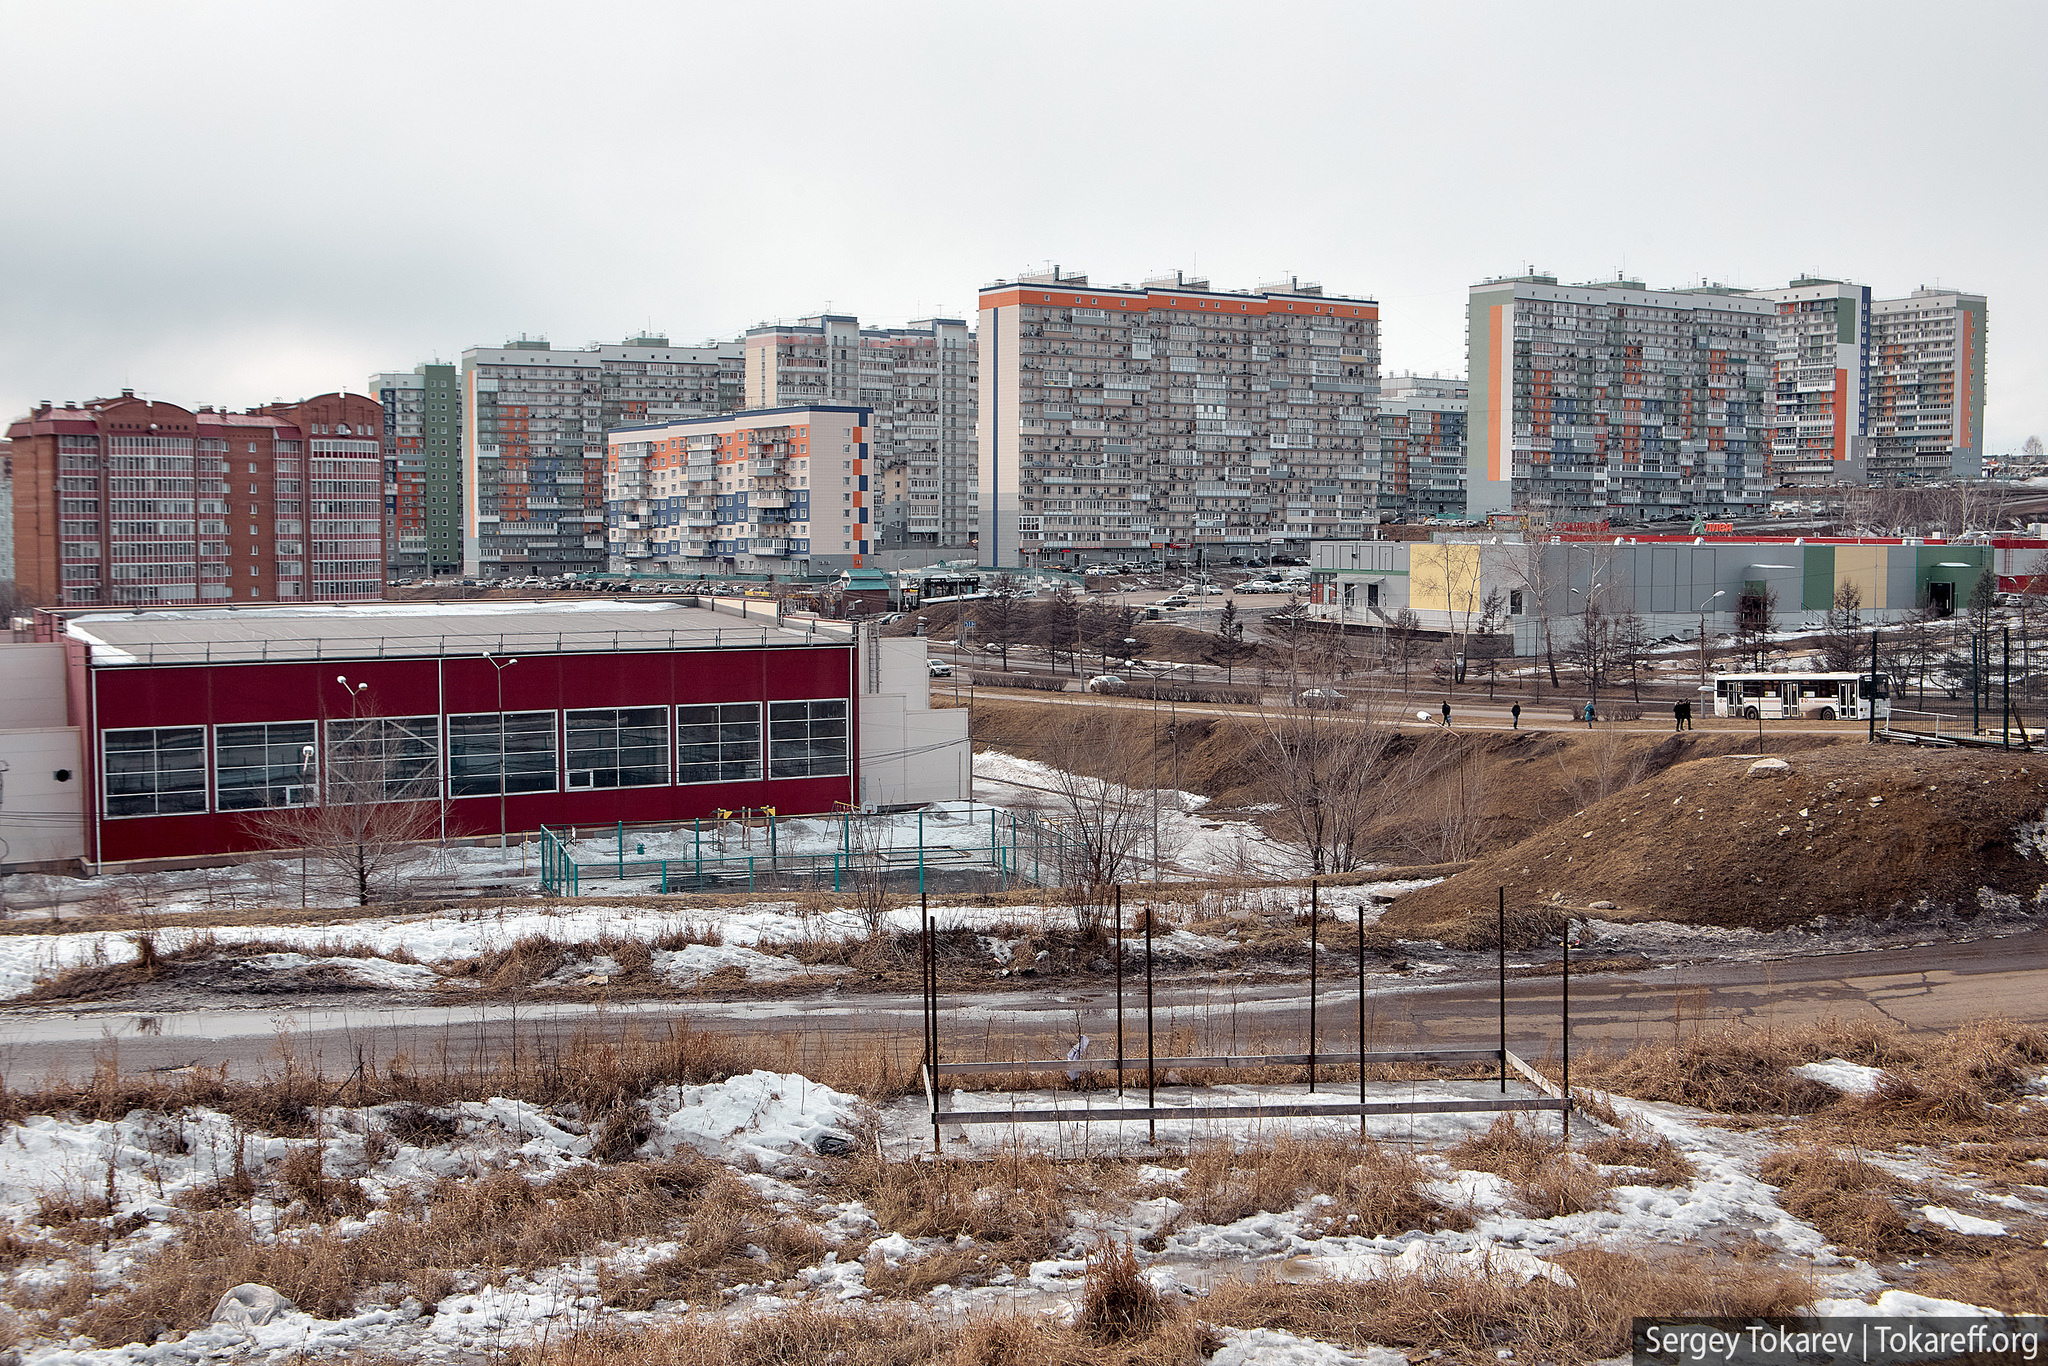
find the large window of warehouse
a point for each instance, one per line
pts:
(719, 743)
(263, 766)
(807, 739)
(157, 772)
(383, 759)
(477, 758)
(618, 747)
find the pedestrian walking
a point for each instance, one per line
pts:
(1685, 713)
(1678, 716)
(1589, 716)
(1516, 712)
(1447, 714)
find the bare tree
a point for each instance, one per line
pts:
(1532, 570)
(378, 801)
(1404, 639)
(1756, 617)
(1325, 770)
(1842, 643)
(1631, 648)
(1101, 759)
(1456, 571)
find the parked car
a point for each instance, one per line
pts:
(1174, 600)
(938, 668)
(1106, 683)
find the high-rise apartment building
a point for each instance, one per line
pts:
(1927, 386)
(1170, 415)
(7, 509)
(760, 491)
(1822, 360)
(919, 382)
(422, 469)
(1599, 399)
(1422, 447)
(123, 500)
(533, 444)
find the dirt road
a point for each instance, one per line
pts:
(1926, 987)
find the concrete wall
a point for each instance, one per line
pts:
(32, 687)
(909, 753)
(42, 817)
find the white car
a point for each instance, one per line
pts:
(1105, 683)
(938, 668)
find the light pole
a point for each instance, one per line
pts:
(1592, 649)
(498, 667)
(1702, 610)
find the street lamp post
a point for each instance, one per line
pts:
(498, 667)
(1592, 652)
(1702, 610)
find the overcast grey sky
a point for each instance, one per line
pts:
(228, 202)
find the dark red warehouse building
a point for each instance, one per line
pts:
(194, 721)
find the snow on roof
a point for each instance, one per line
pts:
(200, 635)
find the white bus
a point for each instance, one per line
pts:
(1813, 696)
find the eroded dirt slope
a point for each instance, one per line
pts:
(1845, 831)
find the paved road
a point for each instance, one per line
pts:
(1929, 987)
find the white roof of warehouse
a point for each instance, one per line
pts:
(199, 635)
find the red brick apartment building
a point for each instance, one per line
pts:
(122, 500)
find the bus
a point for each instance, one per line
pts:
(1811, 696)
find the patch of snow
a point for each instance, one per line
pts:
(1851, 1079)
(1958, 1222)
(762, 1117)
(1276, 1347)
(1423, 1258)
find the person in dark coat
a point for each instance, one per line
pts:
(1516, 712)
(1447, 714)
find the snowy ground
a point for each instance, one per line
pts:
(770, 1129)
(1189, 844)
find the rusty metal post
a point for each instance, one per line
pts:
(1500, 945)
(1119, 896)
(1151, 1057)
(1314, 915)
(1361, 1013)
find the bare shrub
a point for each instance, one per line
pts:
(1548, 1178)
(1117, 1302)
(1847, 1199)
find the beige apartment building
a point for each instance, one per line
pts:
(1170, 416)
(919, 383)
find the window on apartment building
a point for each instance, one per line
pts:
(481, 752)
(718, 743)
(260, 766)
(159, 771)
(617, 747)
(807, 739)
(383, 759)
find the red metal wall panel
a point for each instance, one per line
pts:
(230, 694)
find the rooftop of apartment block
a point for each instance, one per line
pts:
(1175, 282)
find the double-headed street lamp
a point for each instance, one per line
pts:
(498, 667)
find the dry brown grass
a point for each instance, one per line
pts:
(1470, 1316)
(1117, 1303)
(1653, 1155)
(2010, 1282)
(1850, 1201)
(867, 1337)
(595, 1067)
(464, 1232)
(1548, 1178)
(1016, 1207)
(1374, 1188)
